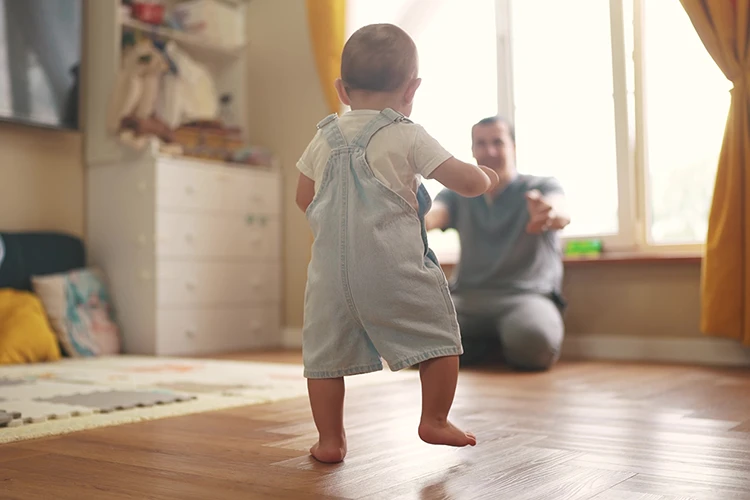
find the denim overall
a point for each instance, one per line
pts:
(374, 287)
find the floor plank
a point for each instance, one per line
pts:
(584, 431)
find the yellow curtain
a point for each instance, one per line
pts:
(724, 28)
(327, 21)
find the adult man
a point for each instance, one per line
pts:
(509, 276)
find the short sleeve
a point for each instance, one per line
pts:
(450, 200)
(306, 161)
(549, 185)
(426, 153)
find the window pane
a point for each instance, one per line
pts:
(564, 108)
(458, 66)
(687, 101)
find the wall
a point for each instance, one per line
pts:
(652, 300)
(41, 179)
(285, 104)
(632, 299)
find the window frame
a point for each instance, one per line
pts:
(641, 166)
(634, 212)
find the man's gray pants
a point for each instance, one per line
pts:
(527, 329)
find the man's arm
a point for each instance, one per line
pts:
(305, 192)
(438, 217)
(546, 212)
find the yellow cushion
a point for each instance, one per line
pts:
(25, 333)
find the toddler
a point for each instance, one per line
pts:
(375, 289)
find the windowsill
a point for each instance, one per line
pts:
(451, 259)
(636, 258)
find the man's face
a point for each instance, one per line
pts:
(492, 146)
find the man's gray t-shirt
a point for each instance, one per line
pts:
(498, 256)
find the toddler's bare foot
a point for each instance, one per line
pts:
(329, 451)
(435, 432)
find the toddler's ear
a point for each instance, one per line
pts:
(341, 91)
(411, 90)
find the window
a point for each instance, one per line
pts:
(456, 90)
(564, 113)
(628, 120)
(686, 100)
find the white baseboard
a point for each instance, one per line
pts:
(698, 350)
(291, 338)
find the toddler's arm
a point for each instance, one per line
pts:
(305, 192)
(464, 178)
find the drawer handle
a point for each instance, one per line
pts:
(190, 285)
(190, 333)
(189, 190)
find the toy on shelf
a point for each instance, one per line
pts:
(131, 115)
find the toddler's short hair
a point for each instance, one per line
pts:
(378, 58)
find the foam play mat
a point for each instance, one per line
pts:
(74, 394)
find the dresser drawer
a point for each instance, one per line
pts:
(258, 193)
(198, 283)
(182, 332)
(183, 235)
(189, 185)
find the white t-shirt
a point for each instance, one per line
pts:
(399, 154)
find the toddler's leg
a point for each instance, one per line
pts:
(327, 403)
(439, 377)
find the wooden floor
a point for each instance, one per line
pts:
(583, 431)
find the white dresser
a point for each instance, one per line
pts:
(192, 253)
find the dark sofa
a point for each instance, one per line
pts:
(26, 254)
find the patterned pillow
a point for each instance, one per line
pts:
(80, 312)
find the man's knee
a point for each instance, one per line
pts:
(531, 344)
(478, 337)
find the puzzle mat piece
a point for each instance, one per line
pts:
(40, 411)
(108, 401)
(5, 418)
(15, 414)
(218, 375)
(45, 388)
(172, 367)
(200, 388)
(6, 382)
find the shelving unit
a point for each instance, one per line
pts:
(195, 45)
(102, 55)
(191, 247)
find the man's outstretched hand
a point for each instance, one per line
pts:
(541, 213)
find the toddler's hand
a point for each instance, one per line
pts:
(494, 179)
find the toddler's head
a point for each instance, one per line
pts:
(379, 68)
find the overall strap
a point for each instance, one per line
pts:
(384, 118)
(331, 131)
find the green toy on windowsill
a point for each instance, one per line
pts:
(583, 248)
